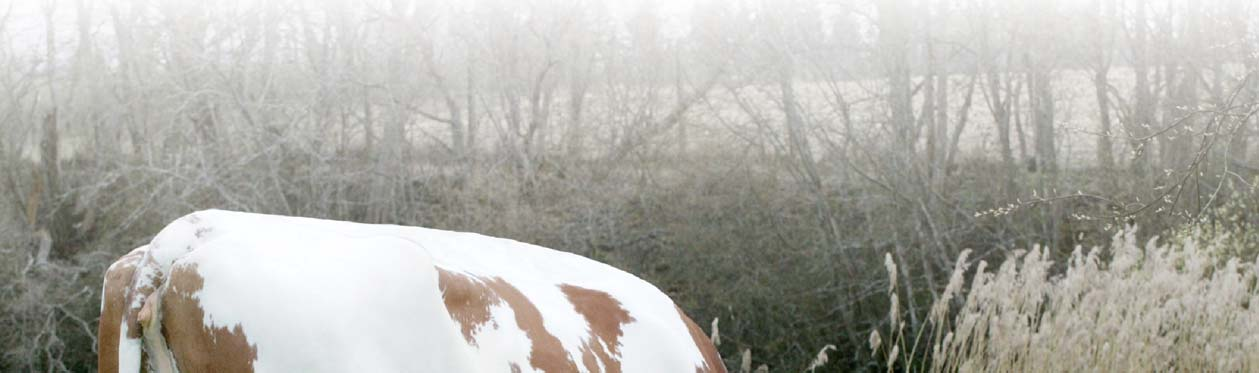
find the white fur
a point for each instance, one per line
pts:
(128, 352)
(327, 296)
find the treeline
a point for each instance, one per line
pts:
(755, 159)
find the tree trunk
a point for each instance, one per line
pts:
(941, 131)
(1142, 118)
(1105, 150)
(470, 97)
(1000, 108)
(803, 153)
(963, 116)
(999, 96)
(1101, 82)
(1042, 102)
(894, 43)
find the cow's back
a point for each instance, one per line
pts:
(331, 304)
(271, 293)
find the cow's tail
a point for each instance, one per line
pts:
(130, 354)
(130, 338)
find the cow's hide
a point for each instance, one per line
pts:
(221, 291)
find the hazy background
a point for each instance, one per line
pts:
(755, 159)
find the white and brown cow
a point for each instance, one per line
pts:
(221, 291)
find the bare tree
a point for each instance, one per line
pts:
(1103, 29)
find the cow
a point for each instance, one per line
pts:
(224, 291)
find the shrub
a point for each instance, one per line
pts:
(1154, 307)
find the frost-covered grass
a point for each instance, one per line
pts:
(1135, 306)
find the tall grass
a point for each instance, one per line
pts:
(1153, 306)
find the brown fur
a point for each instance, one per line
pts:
(199, 348)
(468, 299)
(117, 279)
(712, 359)
(593, 352)
(548, 355)
(605, 316)
(588, 358)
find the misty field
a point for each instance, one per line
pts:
(853, 185)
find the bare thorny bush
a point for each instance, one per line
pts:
(46, 310)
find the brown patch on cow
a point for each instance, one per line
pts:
(588, 358)
(197, 347)
(109, 329)
(712, 359)
(548, 354)
(605, 316)
(469, 298)
(593, 352)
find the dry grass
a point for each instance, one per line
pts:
(1171, 306)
